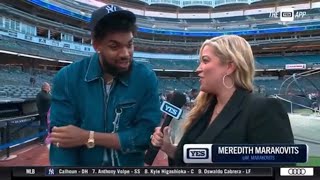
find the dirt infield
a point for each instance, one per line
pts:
(38, 155)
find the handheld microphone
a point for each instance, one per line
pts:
(172, 110)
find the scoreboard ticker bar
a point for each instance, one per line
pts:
(17, 172)
(145, 171)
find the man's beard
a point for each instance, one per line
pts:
(112, 69)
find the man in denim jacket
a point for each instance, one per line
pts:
(104, 108)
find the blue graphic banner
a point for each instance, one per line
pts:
(259, 153)
(245, 153)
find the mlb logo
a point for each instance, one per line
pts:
(197, 153)
(286, 14)
(171, 110)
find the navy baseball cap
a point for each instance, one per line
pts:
(110, 11)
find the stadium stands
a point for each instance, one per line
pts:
(20, 46)
(276, 61)
(306, 58)
(173, 64)
(15, 83)
(306, 23)
(23, 92)
(264, 26)
(232, 19)
(259, 16)
(20, 78)
(181, 84)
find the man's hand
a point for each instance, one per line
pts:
(69, 136)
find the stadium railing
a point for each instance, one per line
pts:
(9, 127)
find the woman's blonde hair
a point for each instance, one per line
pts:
(228, 48)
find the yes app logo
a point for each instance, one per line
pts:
(286, 14)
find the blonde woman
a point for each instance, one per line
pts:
(226, 111)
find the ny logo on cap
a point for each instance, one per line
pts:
(111, 8)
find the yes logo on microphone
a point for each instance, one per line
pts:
(171, 110)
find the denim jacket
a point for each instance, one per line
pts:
(132, 110)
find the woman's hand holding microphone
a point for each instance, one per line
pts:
(163, 141)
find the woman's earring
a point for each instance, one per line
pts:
(224, 83)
